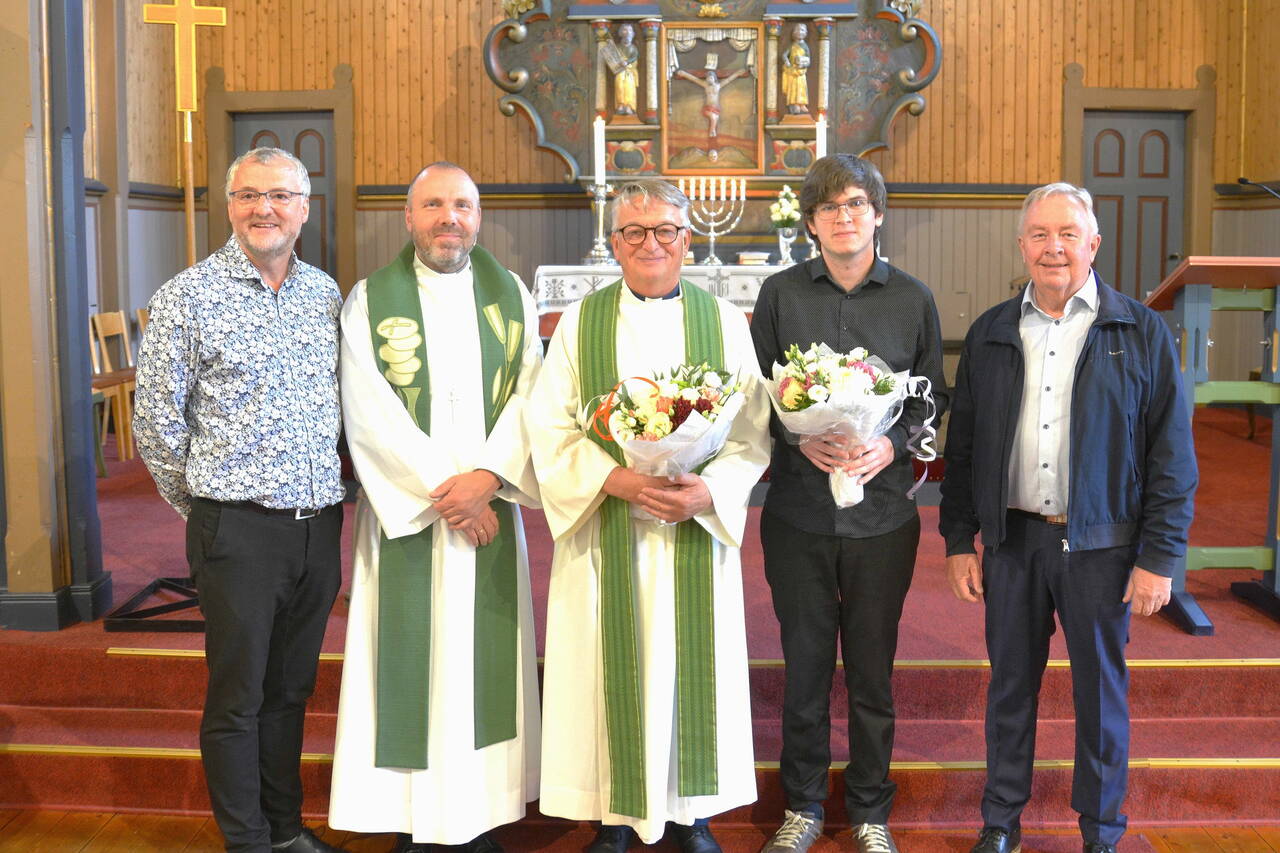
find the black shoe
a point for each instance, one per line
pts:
(611, 839)
(482, 843)
(306, 842)
(405, 844)
(1098, 847)
(994, 839)
(695, 839)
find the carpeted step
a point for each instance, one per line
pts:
(939, 741)
(139, 678)
(125, 678)
(950, 741)
(111, 728)
(930, 794)
(939, 690)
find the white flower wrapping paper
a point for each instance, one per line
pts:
(692, 443)
(858, 416)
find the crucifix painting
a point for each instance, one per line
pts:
(713, 89)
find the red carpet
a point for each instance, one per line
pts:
(114, 709)
(143, 539)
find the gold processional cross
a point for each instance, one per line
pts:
(185, 16)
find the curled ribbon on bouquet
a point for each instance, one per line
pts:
(921, 441)
(601, 414)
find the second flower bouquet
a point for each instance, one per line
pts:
(819, 391)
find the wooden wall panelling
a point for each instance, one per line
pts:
(1002, 76)
(90, 141)
(992, 115)
(380, 233)
(421, 90)
(966, 255)
(1249, 231)
(153, 128)
(1227, 138)
(1262, 126)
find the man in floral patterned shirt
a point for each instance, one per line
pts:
(237, 419)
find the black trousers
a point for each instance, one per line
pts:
(829, 589)
(1025, 580)
(266, 585)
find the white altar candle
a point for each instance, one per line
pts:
(597, 133)
(680, 184)
(821, 146)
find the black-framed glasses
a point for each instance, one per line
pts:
(634, 235)
(829, 210)
(277, 198)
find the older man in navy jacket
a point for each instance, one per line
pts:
(1070, 451)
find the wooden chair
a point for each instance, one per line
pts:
(143, 315)
(99, 399)
(116, 384)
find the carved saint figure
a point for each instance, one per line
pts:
(626, 77)
(795, 65)
(711, 85)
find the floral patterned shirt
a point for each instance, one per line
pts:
(237, 386)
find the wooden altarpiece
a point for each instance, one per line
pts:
(753, 88)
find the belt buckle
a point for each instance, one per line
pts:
(1056, 519)
(301, 514)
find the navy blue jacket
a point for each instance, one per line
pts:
(1133, 466)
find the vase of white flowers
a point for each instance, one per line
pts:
(785, 215)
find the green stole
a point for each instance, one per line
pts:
(404, 564)
(695, 613)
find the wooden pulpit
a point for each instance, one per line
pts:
(1199, 286)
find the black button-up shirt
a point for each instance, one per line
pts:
(893, 315)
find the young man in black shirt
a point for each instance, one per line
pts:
(842, 573)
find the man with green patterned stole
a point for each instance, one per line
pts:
(438, 724)
(647, 713)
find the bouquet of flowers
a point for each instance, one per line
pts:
(785, 212)
(819, 391)
(672, 423)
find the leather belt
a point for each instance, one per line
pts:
(296, 513)
(1059, 520)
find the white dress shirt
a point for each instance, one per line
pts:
(1040, 461)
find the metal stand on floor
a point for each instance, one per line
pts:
(131, 616)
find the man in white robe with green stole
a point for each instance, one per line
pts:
(438, 723)
(647, 715)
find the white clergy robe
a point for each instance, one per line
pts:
(571, 471)
(464, 791)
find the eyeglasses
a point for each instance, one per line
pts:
(830, 210)
(634, 235)
(278, 198)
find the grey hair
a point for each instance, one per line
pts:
(267, 155)
(1077, 194)
(640, 193)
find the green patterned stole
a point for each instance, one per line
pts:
(404, 564)
(695, 606)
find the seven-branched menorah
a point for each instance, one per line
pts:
(716, 205)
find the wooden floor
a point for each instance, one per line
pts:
(93, 832)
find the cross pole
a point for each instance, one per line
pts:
(185, 16)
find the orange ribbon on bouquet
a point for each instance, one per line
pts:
(602, 411)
